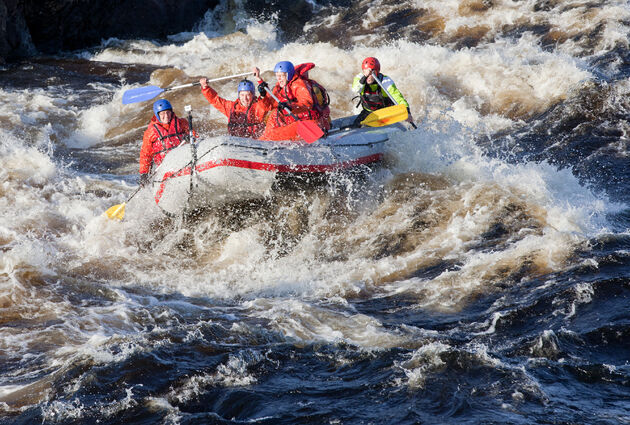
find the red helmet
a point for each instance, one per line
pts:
(371, 63)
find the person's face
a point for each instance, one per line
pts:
(245, 97)
(368, 73)
(165, 116)
(281, 77)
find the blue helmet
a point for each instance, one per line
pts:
(245, 85)
(161, 105)
(285, 66)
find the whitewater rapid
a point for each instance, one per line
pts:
(455, 215)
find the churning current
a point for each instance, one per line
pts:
(479, 274)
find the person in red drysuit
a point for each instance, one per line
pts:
(294, 95)
(246, 115)
(165, 132)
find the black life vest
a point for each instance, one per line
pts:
(373, 98)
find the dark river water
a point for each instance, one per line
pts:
(480, 275)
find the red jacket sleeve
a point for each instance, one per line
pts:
(222, 105)
(146, 152)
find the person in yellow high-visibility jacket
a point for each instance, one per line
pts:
(372, 96)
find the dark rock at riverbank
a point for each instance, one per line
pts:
(28, 27)
(31, 27)
(15, 39)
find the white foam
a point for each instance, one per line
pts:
(456, 96)
(300, 321)
(424, 361)
(94, 122)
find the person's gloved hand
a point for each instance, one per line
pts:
(363, 80)
(261, 89)
(283, 105)
(144, 179)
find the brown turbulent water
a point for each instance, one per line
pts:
(480, 275)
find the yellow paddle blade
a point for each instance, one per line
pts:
(386, 116)
(116, 212)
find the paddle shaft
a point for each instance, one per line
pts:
(287, 110)
(384, 89)
(388, 94)
(307, 130)
(137, 190)
(191, 134)
(139, 187)
(209, 81)
(141, 94)
(120, 208)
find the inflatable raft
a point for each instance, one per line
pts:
(220, 170)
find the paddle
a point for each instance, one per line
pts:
(140, 94)
(378, 118)
(307, 130)
(118, 211)
(390, 97)
(386, 116)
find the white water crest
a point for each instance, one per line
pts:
(97, 291)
